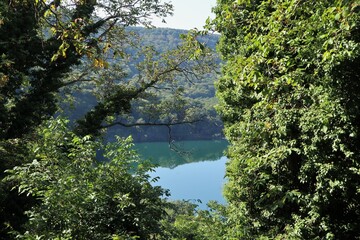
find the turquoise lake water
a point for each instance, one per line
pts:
(195, 174)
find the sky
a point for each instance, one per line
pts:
(188, 14)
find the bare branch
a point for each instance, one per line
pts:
(172, 144)
(148, 124)
(77, 80)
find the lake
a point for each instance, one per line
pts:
(197, 173)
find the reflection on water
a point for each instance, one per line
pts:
(199, 175)
(160, 154)
(201, 180)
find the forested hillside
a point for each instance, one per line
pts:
(198, 91)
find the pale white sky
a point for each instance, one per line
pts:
(188, 14)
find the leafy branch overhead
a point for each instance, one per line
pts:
(157, 74)
(65, 34)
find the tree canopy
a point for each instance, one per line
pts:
(41, 41)
(290, 103)
(83, 198)
(40, 52)
(48, 47)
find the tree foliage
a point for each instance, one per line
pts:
(41, 50)
(40, 43)
(185, 221)
(43, 43)
(82, 198)
(290, 103)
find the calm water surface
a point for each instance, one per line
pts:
(196, 175)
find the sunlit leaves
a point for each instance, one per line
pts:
(290, 113)
(80, 197)
(86, 25)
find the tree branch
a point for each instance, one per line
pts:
(79, 79)
(148, 124)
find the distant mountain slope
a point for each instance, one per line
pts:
(167, 38)
(200, 93)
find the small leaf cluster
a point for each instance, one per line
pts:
(185, 221)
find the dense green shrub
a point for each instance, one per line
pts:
(290, 100)
(81, 198)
